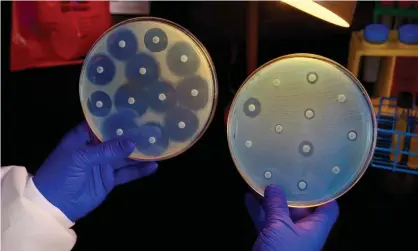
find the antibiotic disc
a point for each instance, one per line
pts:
(149, 80)
(304, 123)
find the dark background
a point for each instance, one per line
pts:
(195, 201)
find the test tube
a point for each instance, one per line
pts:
(404, 104)
(413, 145)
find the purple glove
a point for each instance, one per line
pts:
(78, 175)
(284, 229)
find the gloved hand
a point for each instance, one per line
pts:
(284, 229)
(77, 176)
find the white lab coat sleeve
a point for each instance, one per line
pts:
(28, 221)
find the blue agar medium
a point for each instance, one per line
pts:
(149, 80)
(304, 123)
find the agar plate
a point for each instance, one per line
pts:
(149, 80)
(305, 123)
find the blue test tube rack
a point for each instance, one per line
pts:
(386, 122)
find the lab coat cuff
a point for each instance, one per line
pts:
(32, 193)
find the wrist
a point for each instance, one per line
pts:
(34, 195)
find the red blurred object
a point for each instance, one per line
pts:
(387, 3)
(226, 113)
(52, 33)
(405, 78)
(405, 4)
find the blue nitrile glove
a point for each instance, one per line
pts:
(284, 229)
(78, 175)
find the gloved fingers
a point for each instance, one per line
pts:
(255, 211)
(275, 205)
(121, 163)
(93, 139)
(77, 137)
(108, 151)
(297, 214)
(323, 217)
(329, 212)
(106, 177)
(130, 173)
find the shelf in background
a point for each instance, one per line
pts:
(389, 51)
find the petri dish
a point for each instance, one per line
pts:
(305, 123)
(152, 81)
